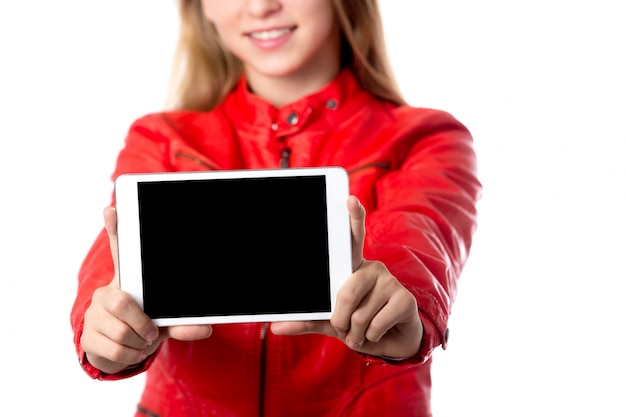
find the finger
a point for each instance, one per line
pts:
(292, 328)
(362, 319)
(400, 309)
(104, 351)
(357, 228)
(350, 296)
(110, 224)
(121, 333)
(124, 308)
(187, 333)
(386, 302)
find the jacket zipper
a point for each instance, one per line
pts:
(384, 165)
(263, 335)
(194, 159)
(284, 158)
(285, 152)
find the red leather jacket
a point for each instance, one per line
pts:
(413, 169)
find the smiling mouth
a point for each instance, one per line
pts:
(266, 35)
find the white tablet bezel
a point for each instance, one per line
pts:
(129, 243)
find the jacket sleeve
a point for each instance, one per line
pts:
(145, 150)
(425, 217)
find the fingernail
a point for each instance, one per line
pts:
(152, 336)
(353, 345)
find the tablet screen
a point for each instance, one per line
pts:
(234, 246)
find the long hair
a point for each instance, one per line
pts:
(204, 71)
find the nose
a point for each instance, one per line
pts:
(262, 8)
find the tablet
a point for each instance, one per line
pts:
(234, 246)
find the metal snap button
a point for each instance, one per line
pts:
(292, 119)
(331, 104)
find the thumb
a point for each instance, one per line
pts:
(110, 224)
(357, 229)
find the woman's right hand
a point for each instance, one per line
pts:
(117, 333)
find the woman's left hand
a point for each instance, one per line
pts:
(375, 314)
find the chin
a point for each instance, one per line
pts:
(278, 68)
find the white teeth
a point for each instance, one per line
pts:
(269, 34)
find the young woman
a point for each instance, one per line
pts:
(297, 83)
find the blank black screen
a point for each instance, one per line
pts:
(234, 246)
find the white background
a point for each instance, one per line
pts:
(538, 327)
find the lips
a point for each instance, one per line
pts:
(270, 34)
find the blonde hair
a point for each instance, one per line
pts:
(204, 71)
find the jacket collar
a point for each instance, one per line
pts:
(253, 113)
